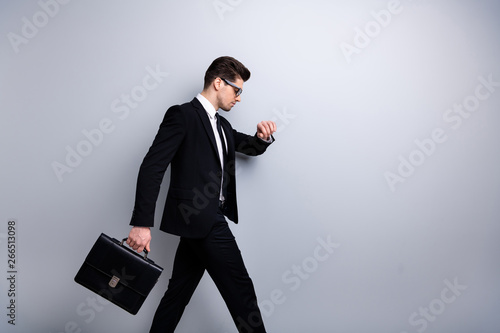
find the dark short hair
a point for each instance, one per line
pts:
(227, 68)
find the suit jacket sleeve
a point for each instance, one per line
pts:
(167, 141)
(250, 145)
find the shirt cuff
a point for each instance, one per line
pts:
(270, 140)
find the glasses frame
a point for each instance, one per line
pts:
(238, 93)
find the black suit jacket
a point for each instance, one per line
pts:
(185, 140)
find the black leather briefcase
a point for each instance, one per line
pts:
(119, 274)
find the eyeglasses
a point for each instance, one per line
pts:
(238, 92)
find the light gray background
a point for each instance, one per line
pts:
(344, 123)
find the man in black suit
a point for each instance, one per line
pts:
(200, 147)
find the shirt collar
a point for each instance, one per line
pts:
(207, 105)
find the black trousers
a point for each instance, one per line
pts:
(220, 256)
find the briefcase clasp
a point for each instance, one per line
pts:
(114, 281)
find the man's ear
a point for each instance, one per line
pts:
(217, 83)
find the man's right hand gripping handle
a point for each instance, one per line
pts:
(139, 239)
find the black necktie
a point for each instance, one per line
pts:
(222, 141)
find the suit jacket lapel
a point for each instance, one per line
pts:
(202, 113)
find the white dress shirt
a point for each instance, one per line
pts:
(209, 108)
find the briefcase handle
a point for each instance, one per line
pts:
(145, 251)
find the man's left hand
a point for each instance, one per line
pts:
(265, 129)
